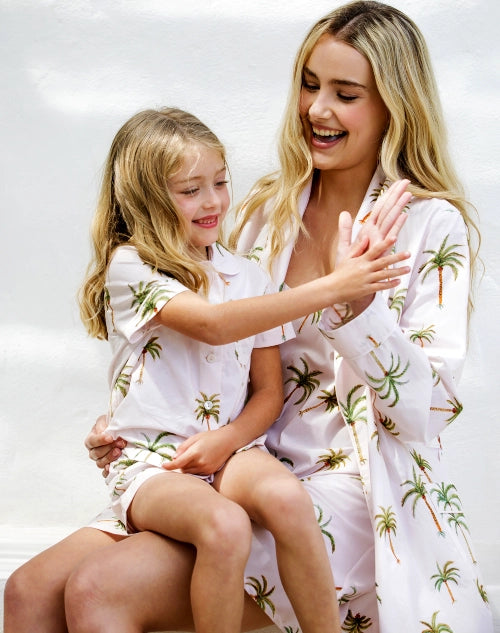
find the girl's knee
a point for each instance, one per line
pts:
(228, 531)
(282, 500)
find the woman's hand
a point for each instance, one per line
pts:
(384, 222)
(103, 449)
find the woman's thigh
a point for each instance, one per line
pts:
(34, 594)
(145, 579)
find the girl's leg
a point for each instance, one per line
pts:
(188, 509)
(141, 584)
(275, 499)
(34, 593)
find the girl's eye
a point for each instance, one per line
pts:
(190, 192)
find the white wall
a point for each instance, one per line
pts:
(71, 73)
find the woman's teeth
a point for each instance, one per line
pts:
(328, 135)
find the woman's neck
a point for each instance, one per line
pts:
(340, 190)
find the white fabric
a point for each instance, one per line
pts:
(395, 571)
(395, 369)
(166, 387)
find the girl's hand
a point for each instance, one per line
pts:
(202, 454)
(103, 449)
(384, 222)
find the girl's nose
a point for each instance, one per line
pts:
(211, 198)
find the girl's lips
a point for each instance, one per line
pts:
(208, 222)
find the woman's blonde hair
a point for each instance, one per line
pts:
(136, 208)
(415, 144)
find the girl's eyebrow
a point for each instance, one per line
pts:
(194, 178)
(335, 82)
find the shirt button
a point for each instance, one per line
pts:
(211, 358)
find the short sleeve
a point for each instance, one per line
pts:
(135, 293)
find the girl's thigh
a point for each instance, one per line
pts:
(179, 506)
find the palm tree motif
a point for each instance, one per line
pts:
(322, 526)
(147, 296)
(347, 597)
(457, 519)
(254, 253)
(208, 407)
(445, 256)
(390, 381)
(397, 301)
(289, 629)
(124, 463)
(153, 349)
(445, 576)
(482, 591)
(423, 464)
(108, 306)
(352, 412)
(262, 593)
(374, 195)
(455, 409)
(332, 460)
(356, 623)
(155, 446)
(315, 317)
(122, 383)
(386, 524)
(447, 497)
(329, 399)
(419, 490)
(388, 424)
(435, 627)
(304, 380)
(424, 334)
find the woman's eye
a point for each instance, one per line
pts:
(221, 183)
(308, 86)
(343, 97)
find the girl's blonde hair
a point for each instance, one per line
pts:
(415, 144)
(136, 208)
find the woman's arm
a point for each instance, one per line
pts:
(204, 453)
(412, 366)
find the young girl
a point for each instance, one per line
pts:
(182, 315)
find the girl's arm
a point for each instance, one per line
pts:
(204, 453)
(218, 324)
(363, 271)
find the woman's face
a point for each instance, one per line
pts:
(343, 115)
(199, 188)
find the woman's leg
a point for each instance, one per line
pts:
(275, 499)
(187, 509)
(34, 593)
(142, 584)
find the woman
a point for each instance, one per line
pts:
(368, 386)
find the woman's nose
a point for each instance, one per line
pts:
(320, 108)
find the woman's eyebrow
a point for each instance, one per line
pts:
(335, 82)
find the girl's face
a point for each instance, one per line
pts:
(199, 189)
(342, 113)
